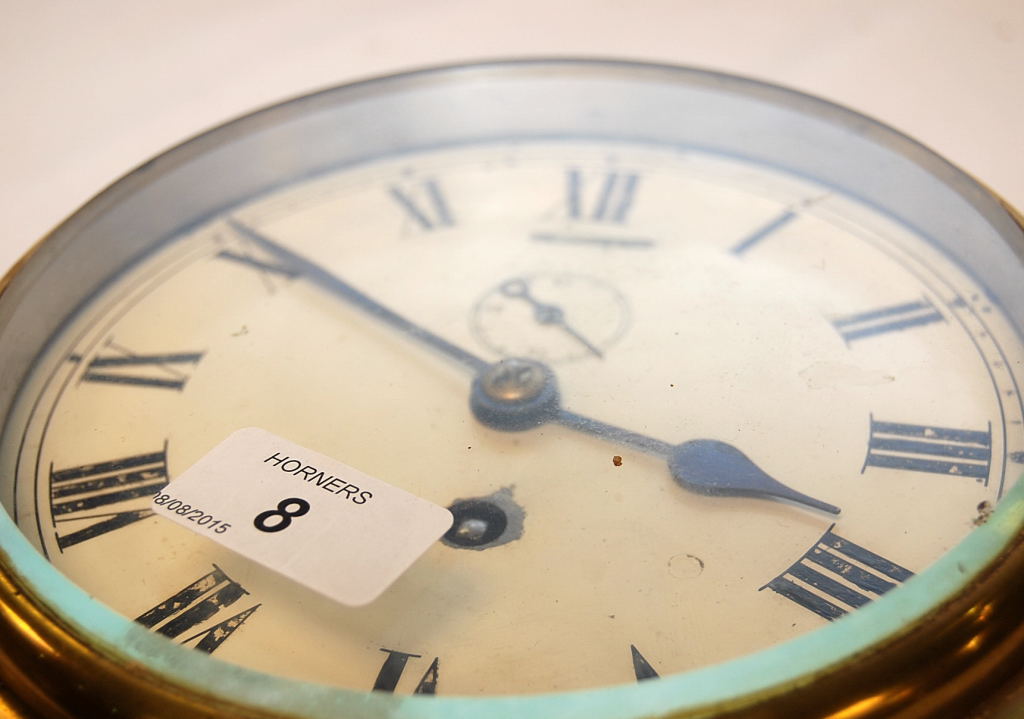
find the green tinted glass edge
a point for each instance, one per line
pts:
(712, 685)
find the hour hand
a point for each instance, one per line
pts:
(519, 394)
(712, 467)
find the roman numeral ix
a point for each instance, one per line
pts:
(151, 370)
(90, 500)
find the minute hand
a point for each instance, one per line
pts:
(340, 288)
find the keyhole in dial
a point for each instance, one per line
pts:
(485, 522)
(478, 522)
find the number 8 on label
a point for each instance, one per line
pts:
(283, 512)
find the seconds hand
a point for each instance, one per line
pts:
(546, 313)
(517, 394)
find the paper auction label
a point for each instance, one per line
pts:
(280, 504)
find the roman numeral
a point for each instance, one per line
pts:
(393, 667)
(895, 318)
(608, 200)
(763, 232)
(264, 266)
(248, 255)
(424, 204)
(835, 576)
(151, 370)
(935, 450)
(642, 668)
(202, 600)
(77, 493)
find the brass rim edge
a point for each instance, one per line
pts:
(1012, 211)
(924, 671)
(8, 277)
(52, 669)
(12, 707)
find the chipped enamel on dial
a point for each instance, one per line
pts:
(841, 352)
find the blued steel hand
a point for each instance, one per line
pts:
(707, 466)
(545, 313)
(717, 468)
(340, 288)
(703, 465)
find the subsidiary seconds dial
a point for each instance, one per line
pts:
(540, 316)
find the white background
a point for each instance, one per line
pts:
(92, 89)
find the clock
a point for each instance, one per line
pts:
(719, 382)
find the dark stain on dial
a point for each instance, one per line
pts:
(984, 512)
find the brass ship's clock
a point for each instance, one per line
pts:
(720, 382)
